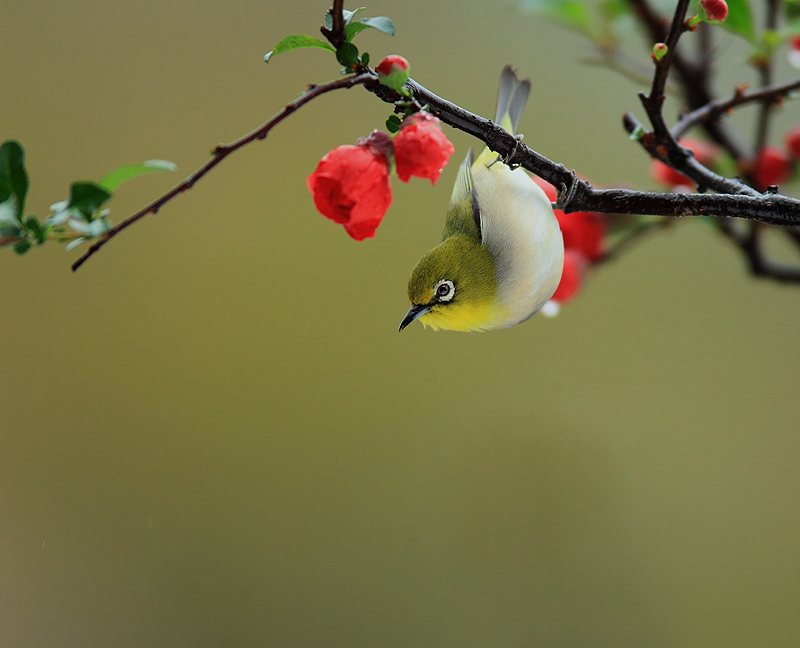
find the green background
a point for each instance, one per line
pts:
(213, 435)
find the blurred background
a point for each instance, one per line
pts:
(213, 435)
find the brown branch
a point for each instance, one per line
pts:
(716, 109)
(219, 153)
(764, 67)
(694, 78)
(733, 199)
(335, 35)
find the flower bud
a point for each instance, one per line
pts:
(793, 142)
(715, 9)
(351, 186)
(421, 149)
(659, 51)
(393, 71)
(770, 168)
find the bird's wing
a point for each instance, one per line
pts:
(463, 214)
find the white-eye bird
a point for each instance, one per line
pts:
(502, 253)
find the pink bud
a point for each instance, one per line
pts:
(393, 71)
(715, 9)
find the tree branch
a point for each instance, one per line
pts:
(716, 109)
(219, 153)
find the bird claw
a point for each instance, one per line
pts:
(507, 159)
(566, 194)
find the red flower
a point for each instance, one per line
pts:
(715, 9)
(351, 186)
(582, 231)
(421, 149)
(771, 168)
(574, 266)
(793, 142)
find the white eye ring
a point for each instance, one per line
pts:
(444, 290)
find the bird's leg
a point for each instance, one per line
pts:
(507, 159)
(566, 194)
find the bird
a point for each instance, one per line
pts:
(502, 252)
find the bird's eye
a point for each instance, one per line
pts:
(445, 290)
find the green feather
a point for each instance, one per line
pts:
(463, 213)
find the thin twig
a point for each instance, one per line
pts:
(219, 153)
(716, 109)
(335, 35)
(632, 236)
(764, 67)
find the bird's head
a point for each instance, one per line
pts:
(454, 287)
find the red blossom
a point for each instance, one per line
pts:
(715, 9)
(770, 168)
(793, 142)
(351, 186)
(582, 231)
(421, 149)
(571, 277)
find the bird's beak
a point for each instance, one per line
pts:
(417, 310)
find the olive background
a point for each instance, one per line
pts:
(213, 435)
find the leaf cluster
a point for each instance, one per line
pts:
(80, 218)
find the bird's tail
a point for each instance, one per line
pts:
(511, 99)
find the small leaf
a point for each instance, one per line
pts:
(74, 243)
(13, 177)
(365, 58)
(349, 15)
(740, 19)
(22, 246)
(297, 42)
(87, 198)
(126, 172)
(8, 212)
(33, 225)
(347, 55)
(383, 24)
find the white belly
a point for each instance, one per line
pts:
(521, 231)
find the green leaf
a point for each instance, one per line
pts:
(365, 58)
(575, 14)
(128, 171)
(33, 225)
(349, 15)
(13, 176)
(347, 55)
(740, 19)
(75, 243)
(297, 42)
(381, 23)
(9, 231)
(87, 198)
(22, 246)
